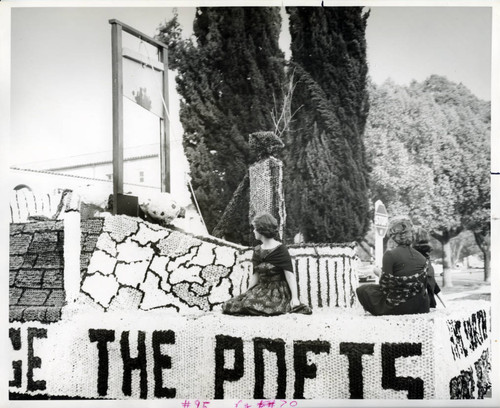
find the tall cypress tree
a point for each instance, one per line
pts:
(325, 167)
(228, 80)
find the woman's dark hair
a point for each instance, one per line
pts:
(421, 241)
(266, 225)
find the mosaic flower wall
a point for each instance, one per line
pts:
(139, 265)
(36, 278)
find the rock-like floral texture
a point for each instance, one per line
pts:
(101, 262)
(174, 270)
(36, 271)
(101, 288)
(147, 266)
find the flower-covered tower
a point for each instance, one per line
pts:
(266, 178)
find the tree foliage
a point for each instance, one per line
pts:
(471, 126)
(326, 176)
(228, 77)
(428, 146)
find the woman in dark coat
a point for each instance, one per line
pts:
(273, 286)
(422, 245)
(402, 285)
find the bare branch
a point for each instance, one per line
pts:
(282, 123)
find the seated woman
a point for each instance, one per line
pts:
(422, 245)
(273, 288)
(402, 286)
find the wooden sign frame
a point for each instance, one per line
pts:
(117, 28)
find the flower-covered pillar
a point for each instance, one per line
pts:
(266, 178)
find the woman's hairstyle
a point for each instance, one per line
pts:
(421, 240)
(266, 225)
(401, 230)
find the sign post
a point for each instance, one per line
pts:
(381, 222)
(121, 60)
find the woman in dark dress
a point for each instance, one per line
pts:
(273, 288)
(402, 286)
(422, 245)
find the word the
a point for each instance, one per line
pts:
(160, 361)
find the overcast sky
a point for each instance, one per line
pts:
(407, 43)
(61, 65)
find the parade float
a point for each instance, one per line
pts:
(117, 306)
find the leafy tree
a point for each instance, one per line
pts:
(326, 177)
(428, 148)
(469, 124)
(227, 78)
(471, 119)
(462, 246)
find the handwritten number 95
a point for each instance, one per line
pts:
(197, 404)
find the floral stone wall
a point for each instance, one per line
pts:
(36, 271)
(139, 265)
(128, 263)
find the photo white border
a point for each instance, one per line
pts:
(5, 33)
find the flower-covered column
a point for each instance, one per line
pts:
(266, 178)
